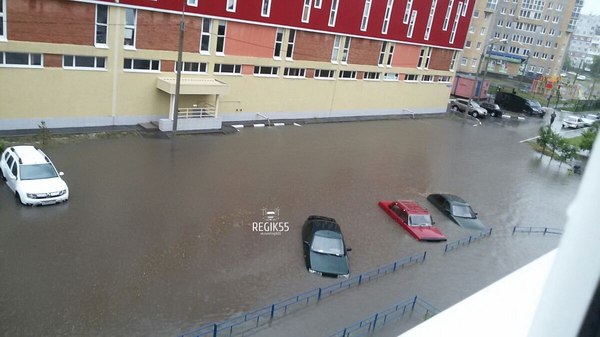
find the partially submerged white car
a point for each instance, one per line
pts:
(32, 177)
(573, 122)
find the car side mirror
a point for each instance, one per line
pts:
(306, 242)
(61, 173)
(348, 249)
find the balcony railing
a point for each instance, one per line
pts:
(196, 112)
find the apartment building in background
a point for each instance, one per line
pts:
(519, 37)
(113, 62)
(585, 42)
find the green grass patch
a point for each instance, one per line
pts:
(575, 140)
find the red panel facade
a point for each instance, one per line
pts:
(313, 46)
(440, 59)
(289, 13)
(364, 51)
(152, 27)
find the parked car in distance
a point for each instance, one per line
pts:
(325, 251)
(581, 77)
(590, 119)
(32, 177)
(573, 122)
(492, 109)
(457, 209)
(461, 104)
(415, 219)
(516, 103)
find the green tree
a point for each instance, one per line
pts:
(587, 138)
(554, 141)
(544, 138)
(595, 67)
(567, 151)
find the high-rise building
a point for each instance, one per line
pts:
(585, 42)
(520, 37)
(110, 62)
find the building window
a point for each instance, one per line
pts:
(421, 57)
(427, 78)
(278, 44)
(306, 11)
(411, 78)
(21, 60)
(333, 12)
(84, 62)
(266, 8)
(193, 67)
(224, 69)
(266, 71)
(2, 19)
(193, 3)
(464, 8)
(365, 18)
(205, 36)
(336, 48)
(473, 63)
(289, 53)
(141, 65)
(130, 22)
(411, 26)
(391, 77)
(475, 13)
(231, 4)
(101, 25)
(371, 76)
(387, 17)
(318, 3)
(346, 50)
(347, 75)
(453, 60)
(390, 55)
(447, 17)
(455, 24)
(407, 11)
(324, 74)
(221, 37)
(382, 54)
(482, 31)
(430, 20)
(463, 61)
(294, 72)
(468, 44)
(443, 79)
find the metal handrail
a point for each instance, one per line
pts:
(197, 112)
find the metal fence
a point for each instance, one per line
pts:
(467, 241)
(251, 320)
(543, 230)
(368, 325)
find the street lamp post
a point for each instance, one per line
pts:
(179, 68)
(524, 74)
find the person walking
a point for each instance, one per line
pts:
(552, 117)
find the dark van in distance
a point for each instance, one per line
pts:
(516, 103)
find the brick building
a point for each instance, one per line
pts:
(90, 63)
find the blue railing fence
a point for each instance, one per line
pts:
(467, 241)
(251, 320)
(543, 230)
(378, 320)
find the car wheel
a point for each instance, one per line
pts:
(454, 108)
(493, 114)
(475, 114)
(2, 176)
(18, 198)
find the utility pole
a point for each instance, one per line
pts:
(178, 66)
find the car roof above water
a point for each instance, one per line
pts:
(29, 155)
(412, 207)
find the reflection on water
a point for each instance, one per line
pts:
(157, 237)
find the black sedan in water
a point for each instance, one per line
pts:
(325, 252)
(492, 109)
(457, 209)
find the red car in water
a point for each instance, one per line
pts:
(415, 219)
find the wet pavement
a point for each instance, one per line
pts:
(157, 238)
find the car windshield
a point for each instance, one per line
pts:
(463, 211)
(326, 243)
(534, 104)
(420, 220)
(40, 171)
(496, 106)
(572, 119)
(475, 105)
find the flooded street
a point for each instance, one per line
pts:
(157, 237)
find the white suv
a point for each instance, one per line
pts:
(30, 174)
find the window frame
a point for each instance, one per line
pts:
(352, 77)
(99, 24)
(367, 73)
(430, 19)
(237, 69)
(381, 59)
(271, 74)
(407, 76)
(346, 50)
(193, 3)
(75, 67)
(335, 4)
(387, 17)
(206, 35)
(407, 12)
(394, 78)
(447, 17)
(411, 25)
(289, 46)
(221, 38)
(301, 72)
(133, 70)
(306, 6)
(183, 71)
(132, 27)
(390, 58)
(279, 33)
(335, 50)
(3, 22)
(330, 72)
(231, 3)
(30, 60)
(265, 11)
(364, 23)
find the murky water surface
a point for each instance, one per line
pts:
(157, 237)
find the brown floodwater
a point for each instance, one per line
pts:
(157, 237)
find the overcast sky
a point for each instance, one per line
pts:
(591, 7)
